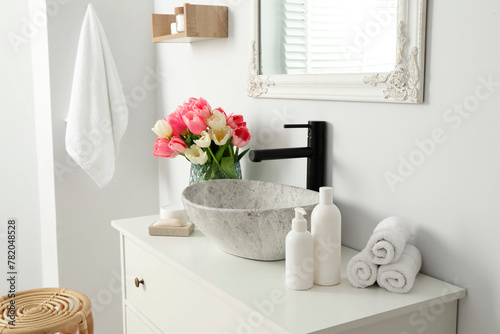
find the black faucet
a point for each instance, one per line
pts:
(315, 152)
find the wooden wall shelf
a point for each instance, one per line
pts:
(202, 22)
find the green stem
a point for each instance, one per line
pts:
(212, 154)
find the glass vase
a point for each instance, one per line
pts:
(208, 172)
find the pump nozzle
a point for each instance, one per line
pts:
(299, 223)
(300, 213)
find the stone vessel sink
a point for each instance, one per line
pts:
(247, 218)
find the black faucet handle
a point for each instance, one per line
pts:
(296, 126)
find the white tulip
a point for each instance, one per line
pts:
(204, 141)
(162, 129)
(196, 155)
(220, 137)
(217, 121)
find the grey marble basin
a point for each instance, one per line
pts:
(247, 218)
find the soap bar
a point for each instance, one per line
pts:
(176, 231)
(173, 222)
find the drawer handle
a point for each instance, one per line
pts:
(137, 282)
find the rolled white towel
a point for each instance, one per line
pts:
(388, 241)
(361, 272)
(400, 276)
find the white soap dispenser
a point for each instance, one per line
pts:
(326, 232)
(299, 254)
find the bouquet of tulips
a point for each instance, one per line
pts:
(202, 135)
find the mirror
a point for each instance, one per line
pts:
(352, 50)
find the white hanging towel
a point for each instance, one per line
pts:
(98, 112)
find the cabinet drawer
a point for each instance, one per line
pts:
(134, 324)
(174, 302)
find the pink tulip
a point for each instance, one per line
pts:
(183, 108)
(177, 144)
(180, 110)
(195, 122)
(176, 123)
(189, 105)
(202, 108)
(162, 149)
(241, 136)
(235, 121)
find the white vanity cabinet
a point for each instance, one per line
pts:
(188, 285)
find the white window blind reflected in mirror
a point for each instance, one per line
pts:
(335, 36)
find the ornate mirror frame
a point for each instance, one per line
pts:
(405, 84)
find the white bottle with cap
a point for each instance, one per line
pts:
(299, 254)
(326, 232)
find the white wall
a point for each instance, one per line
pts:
(451, 198)
(88, 246)
(19, 168)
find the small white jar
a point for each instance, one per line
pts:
(179, 18)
